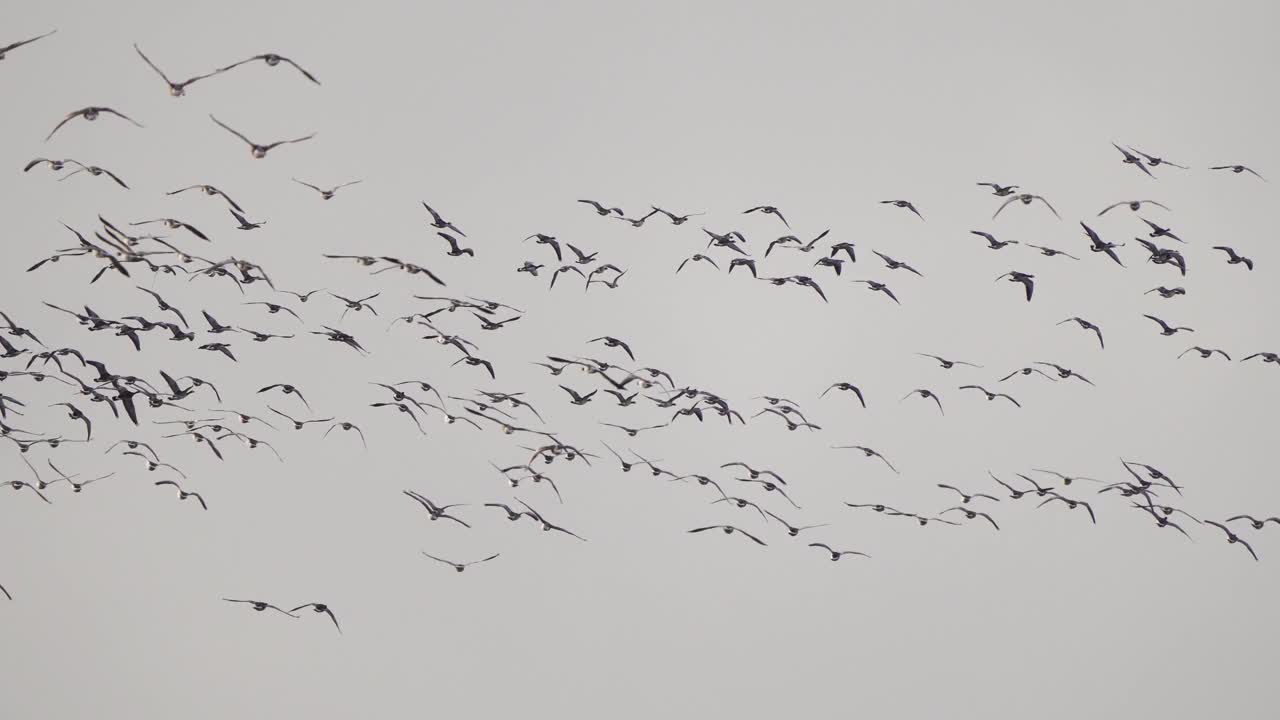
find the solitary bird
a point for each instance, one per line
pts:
(320, 608)
(837, 554)
(1237, 169)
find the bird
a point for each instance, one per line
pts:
(927, 395)
(434, 511)
(1131, 159)
(90, 113)
(95, 171)
(1086, 325)
(1071, 504)
(999, 190)
(601, 209)
(1027, 280)
(769, 210)
(327, 194)
(260, 606)
(698, 257)
(461, 566)
(1065, 373)
(992, 242)
(904, 204)
(868, 452)
(1166, 292)
(948, 364)
(896, 265)
(966, 497)
(972, 514)
(1257, 523)
(1237, 169)
(1158, 231)
(1026, 199)
(729, 530)
(1099, 246)
(272, 60)
(175, 89)
(4, 52)
(837, 554)
(173, 224)
(794, 530)
(183, 494)
(1234, 258)
(1204, 352)
(1232, 538)
(1165, 328)
(1134, 205)
(244, 223)
(1153, 161)
(614, 343)
(259, 151)
(211, 191)
(439, 223)
(879, 287)
(846, 387)
(1267, 357)
(991, 395)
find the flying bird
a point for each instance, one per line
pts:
(259, 151)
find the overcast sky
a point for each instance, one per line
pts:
(502, 118)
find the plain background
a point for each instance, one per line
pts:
(502, 117)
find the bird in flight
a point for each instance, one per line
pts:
(259, 151)
(90, 113)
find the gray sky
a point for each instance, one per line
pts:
(501, 119)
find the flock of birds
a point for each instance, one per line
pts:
(113, 408)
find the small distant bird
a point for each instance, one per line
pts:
(1027, 280)
(258, 151)
(927, 395)
(992, 242)
(1204, 352)
(182, 494)
(1134, 160)
(272, 60)
(1097, 244)
(175, 89)
(991, 395)
(1154, 161)
(455, 250)
(1086, 325)
(1232, 538)
(440, 223)
(260, 606)
(1237, 169)
(729, 530)
(1133, 205)
(1159, 232)
(837, 554)
(90, 113)
(329, 193)
(1165, 328)
(320, 608)
(461, 566)
(999, 190)
(1026, 199)
(1234, 258)
(769, 210)
(905, 204)
(696, 257)
(1166, 292)
(95, 171)
(880, 287)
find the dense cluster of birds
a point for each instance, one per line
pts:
(113, 408)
